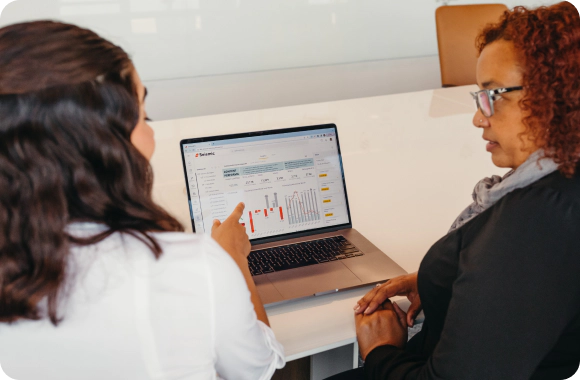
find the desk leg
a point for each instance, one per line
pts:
(334, 361)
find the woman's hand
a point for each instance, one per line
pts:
(385, 326)
(232, 236)
(405, 285)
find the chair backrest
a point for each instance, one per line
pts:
(457, 29)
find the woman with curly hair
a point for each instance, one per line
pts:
(96, 280)
(501, 292)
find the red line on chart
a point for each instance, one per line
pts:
(251, 222)
(301, 205)
(281, 214)
(265, 212)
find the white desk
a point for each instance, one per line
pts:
(411, 161)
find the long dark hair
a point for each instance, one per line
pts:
(68, 105)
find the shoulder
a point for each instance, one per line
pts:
(552, 190)
(550, 203)
(177, 246)
(553, 199)
(196, 255)
(188, 243)
(542, 218)
(559, 182)
(178, 249)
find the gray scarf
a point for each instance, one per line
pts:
(490, 190)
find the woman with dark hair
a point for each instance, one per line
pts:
(500, 291)
(96, 280)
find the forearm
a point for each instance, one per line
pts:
(255, 297)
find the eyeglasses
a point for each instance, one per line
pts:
(484, 99)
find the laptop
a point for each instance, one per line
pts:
(297, 214)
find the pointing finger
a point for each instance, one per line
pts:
(238, 212)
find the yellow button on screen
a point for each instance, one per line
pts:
(322, 175)
(326, 201)
(324, 189)
(329, 214)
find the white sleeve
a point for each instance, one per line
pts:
(245, 347)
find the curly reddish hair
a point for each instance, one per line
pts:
(547, 40)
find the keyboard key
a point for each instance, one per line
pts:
(301, 254)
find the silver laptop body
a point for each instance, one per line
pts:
(292, 182)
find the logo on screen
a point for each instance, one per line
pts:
(205, 154)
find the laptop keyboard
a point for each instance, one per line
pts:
(301, 254)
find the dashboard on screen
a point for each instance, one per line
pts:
(289, 182)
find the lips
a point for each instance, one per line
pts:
(490, 144)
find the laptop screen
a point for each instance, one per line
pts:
(290, 180)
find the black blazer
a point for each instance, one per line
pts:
(501, 294)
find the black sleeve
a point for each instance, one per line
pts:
(517, 288)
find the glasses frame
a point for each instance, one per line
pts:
(491, 97)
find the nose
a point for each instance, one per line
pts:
(479, 120)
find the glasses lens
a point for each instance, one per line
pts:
(484, 103)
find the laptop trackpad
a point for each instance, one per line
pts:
(267, 291)
(306, 281)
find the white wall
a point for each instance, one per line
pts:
(187, 97)
(174, 39)
(188, 38)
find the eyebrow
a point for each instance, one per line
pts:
(490, 83)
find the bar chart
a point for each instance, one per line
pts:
(264, 216)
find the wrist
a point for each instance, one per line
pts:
(367, 352)
(242, 263)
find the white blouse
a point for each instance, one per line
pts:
(127, 315)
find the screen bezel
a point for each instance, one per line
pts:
(285, 236)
